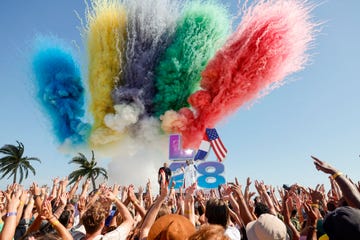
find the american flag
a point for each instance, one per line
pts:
(216, 144)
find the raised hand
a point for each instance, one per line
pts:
(323, 166)
(110, 196)
(55, 181)
(148, 185)
(81, 205)
(115, 189)
(248, 181)
(24, 196)
(14, 199)
(164, 188)
(131, 193)
(190, 190)
(140, 190)
(311, 213)
(236, 188)
(46, 210)
(65, 182)
(63, 198)
(316, 196)
(36, 191)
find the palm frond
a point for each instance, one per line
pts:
(6, 172)
(86, 168)
(6, 161)
(9, 149)
(31, 168)
(10, 172)
(81, 159)
(33, 159)
(20, 148)
(14, 162)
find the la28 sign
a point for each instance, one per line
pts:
(210, 173)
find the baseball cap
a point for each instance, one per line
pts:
(343, 223)
(267, 227)
(171, 226)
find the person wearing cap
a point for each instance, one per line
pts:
(171, 227)
(168, 226)
(343, 223)
(267, 227)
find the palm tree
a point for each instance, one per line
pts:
(87, 168)
(14, 162)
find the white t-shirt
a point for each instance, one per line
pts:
(120, 233)
(233, 233)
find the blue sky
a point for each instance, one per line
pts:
(315, 113)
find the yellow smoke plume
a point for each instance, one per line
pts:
(106, 36)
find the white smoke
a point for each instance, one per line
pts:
(139, 155)
(124, 116)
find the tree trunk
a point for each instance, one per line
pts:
(93, 182)
(14, 181)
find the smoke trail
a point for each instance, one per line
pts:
(137, 161)
(200, 32)
(59, 89)
(150, 27)
(106, 33)
(137, 156)
(270, 43)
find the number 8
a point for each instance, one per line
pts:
(209, 178)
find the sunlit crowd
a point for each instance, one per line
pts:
(231, 211)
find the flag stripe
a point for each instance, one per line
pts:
(219, 152)
(216, 143)
(221, 147)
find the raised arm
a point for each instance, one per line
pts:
(244, 210)
(349, 190)
(247, 193)
(235, 210)
(46, 213)
(8, 230)
(61, 206)
(153, 211)
(260, 186)
(149, 192)
(128, 220)
(286, 201)
(23, 198)
(189, 203)
(135, 201)
(36, 191)
(35, 225)
(85, 188)
(311, 223)
(54, 188)
(29, 208)
(74, 188)
(274, 199)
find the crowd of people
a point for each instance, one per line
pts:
(232, 211)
